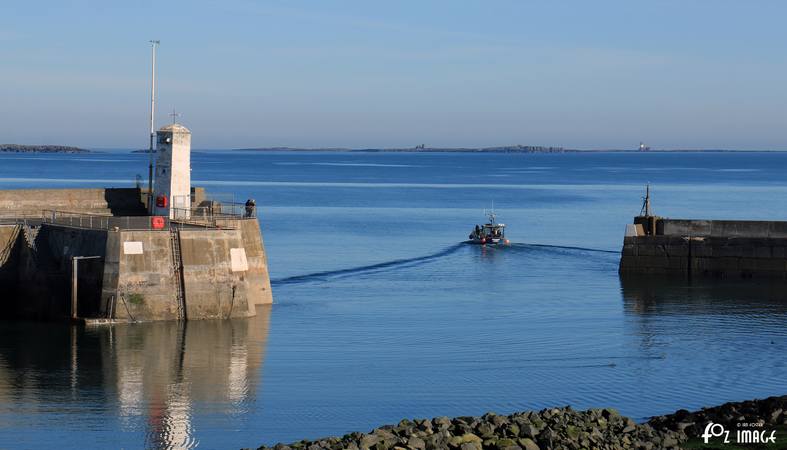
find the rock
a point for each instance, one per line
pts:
(630, 426)
(416, 443)
(368, 440)
(511, 429)
(528, 444)
(608, 413)
(454, 441)
(423, 424)
(441, 423)
(669, 442)
(498, 421)
(506, 444)
(528, 430)
(554, 428)
(485, 430)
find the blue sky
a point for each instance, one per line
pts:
(580, 74)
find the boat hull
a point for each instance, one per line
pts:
(493, 241)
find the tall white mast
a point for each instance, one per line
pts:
(153, 46)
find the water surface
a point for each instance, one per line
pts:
(381, 313)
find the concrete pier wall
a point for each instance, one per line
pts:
(707, 248)
(139, 281)
(189, 270)
(35, 279)
(258, 279)
(9, 251)
(225, 272)
(215, 286)
(108, 201)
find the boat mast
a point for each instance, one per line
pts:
(645, 211)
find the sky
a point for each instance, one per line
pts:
(243, 73)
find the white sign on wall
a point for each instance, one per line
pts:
(132, 248)
(238, 260)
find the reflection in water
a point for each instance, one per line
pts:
(150, 376)
(717, 340)
(664, 296)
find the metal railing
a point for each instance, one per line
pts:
(215, 215)
(100, 222)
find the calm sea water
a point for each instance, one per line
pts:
(380, 313)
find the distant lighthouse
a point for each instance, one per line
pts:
(172, 191)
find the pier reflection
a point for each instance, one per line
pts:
(666, 296)
(151, 376)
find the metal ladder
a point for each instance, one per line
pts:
(177, 270)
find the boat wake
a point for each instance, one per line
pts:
(397, 263)
(410, 262)
(561, 247)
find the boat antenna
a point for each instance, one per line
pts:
(645, 211)
(491, 213)
(153, 45)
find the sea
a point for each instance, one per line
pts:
(382, 311)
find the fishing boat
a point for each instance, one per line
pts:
(491, 233)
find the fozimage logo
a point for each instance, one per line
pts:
(746, 433)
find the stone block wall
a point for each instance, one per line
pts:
(109, 201)
(138, 274)
(709, 248)
(215, 286)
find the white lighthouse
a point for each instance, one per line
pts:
(172, 190)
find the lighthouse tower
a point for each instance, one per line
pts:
(172, 189)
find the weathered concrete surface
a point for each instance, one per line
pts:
(722, 228)
(214, 288)
(39, 285)
(257, 277)
(225, 270)
(110, 201)
(173, 170)
(9, 250)
(141, 285)
(722, 249)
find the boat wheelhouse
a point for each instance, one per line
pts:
(491, 233)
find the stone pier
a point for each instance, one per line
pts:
(705, 248)
(210, 265)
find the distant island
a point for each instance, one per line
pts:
(17, 148)
(502, 149)
(421, 149)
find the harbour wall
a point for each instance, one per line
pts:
(108, 201)
(184, 271)
(705, 248)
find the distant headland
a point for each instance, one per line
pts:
(501, 149)
(17, 148)
(421, 149)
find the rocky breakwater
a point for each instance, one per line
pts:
(556, 428)
(770, 413)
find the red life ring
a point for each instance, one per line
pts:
(161, 201)
(157, 222)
